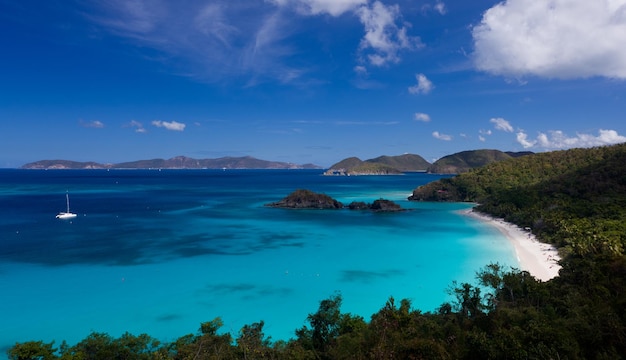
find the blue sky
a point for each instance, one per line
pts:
(307, 81)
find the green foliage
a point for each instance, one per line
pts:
(466, 160)
(32, 350)
(575, 199)
(404, 163)
(380, 165)
(508, 314)
(307, 199)
(347, 163)
(373, 168)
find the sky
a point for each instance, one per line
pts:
(307, 81)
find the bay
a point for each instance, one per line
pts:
(160, 251)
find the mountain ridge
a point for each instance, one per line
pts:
(177, 162)
(456, 163)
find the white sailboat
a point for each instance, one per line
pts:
(67, 214)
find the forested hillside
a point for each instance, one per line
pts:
(466, 160)
(382, 165)
(575, 199)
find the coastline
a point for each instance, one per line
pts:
(539, 259)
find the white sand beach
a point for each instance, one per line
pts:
(539, 259)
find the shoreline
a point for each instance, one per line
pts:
(539, 259)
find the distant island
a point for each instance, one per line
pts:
(395, 165)
(465, 161)
(382, 165)
(307, 199)
(457, 163)
(178, 162)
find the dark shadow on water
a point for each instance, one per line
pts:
(168, 317)
(246, 291)
(126, 242)
(368, 277)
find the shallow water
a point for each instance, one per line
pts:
(159, 252)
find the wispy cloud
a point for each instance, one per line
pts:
(92, 124)
(317, 7)
(501, 124)
(367, 123)
(482, 134)
(172, 125)
(136, 125)
(557, 139)
(384, 39)
(553, 39)
(440, 136)
(245, 40)
(422, 117)
(438, 6)
(129, 18)
(423, 86)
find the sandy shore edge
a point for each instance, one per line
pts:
(539, 259)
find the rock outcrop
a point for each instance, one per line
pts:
(307, 199)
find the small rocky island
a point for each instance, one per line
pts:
(307, 199)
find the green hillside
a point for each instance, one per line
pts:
(374, 169)
(575, 199)
(382, 165)
(347, 164)
(403, 163)
(466, 160)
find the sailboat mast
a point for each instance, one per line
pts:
(67, 199)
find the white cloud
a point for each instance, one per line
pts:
(440, 136)
(382, 36)
(213, 23)
(316, 7)
(481, 138)
(136, 125)
(133, 18)
(422, 117)
(172, 125)
(559, 140)
(424, 86)
(92, 124)
(484, 132)
(554, 39)
(522, 138)
(438, 7)
(247, 39)
(441, 7)
(361, 70)
(501, 124)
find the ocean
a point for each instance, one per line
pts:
(161, 251)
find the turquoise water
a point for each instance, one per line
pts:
(159, 252)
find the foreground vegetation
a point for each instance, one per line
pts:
(506, 315)
(574, 199)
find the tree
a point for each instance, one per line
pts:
(32, 350)
(325, 325)
(252, 342)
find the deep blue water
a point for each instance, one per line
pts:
(159, 252)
